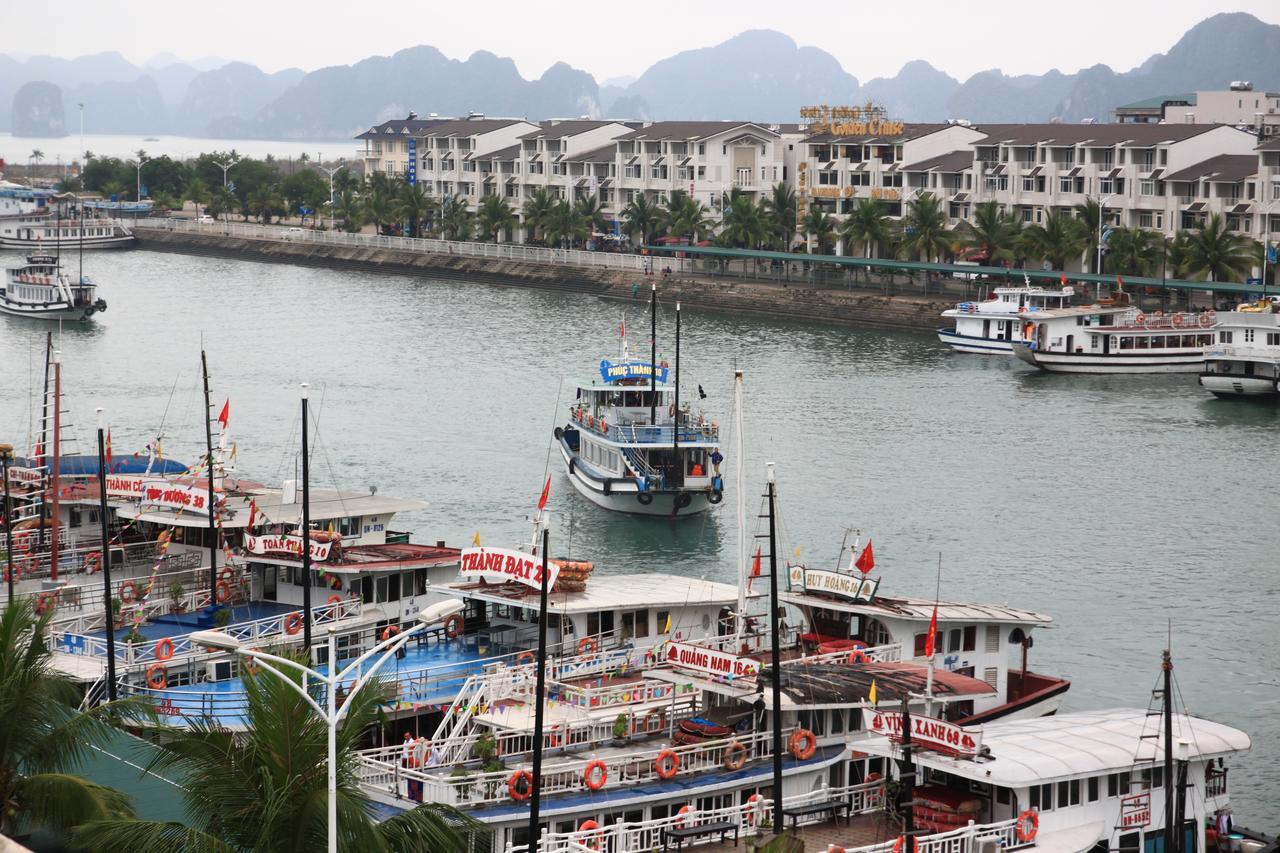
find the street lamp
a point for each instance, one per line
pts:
(225, 167)
(342, 161)
(1102, 216)
(1266, 240)
(142, 161)
(332, 715)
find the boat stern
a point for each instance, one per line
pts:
(1024, 352)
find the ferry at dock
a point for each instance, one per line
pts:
(41, 290)
(627, 447)
(42, 231)
(993, 325)
(1244, 360)
(1115, 338)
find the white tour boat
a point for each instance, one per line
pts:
(41, 290)
(40, 231)
(630, 445)
(993, 325)
(1114, 339)
(1244, 360)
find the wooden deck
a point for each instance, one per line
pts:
(862, 830)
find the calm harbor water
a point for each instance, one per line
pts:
(1120, 505)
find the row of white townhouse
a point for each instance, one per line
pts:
(1164, 177)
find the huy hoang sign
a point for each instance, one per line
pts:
(867, 120)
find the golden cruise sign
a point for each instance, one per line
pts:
(852, 587)
(499, 565)
(867, 120)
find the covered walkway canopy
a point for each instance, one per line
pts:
(1037, 275)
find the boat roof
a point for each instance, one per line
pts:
(607, 592)
(921, 609)
(354, 559)
(326, 504)
(1085, 743)
(835, 683)
(597, 384)
(1075, 311)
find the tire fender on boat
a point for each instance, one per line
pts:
(716, 496)
(608, 486)
(683, 500)
(644, 498)
(558, 433)
(573, 464)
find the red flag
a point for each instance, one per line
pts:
(622, 330)
(226, 414)
(866, 560)
(1120, 282)
(755, 564)
(933, 633)
(108, 449)
(253, 511)
(1064, 279)
(546, 492)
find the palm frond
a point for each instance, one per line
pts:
(110, 836)
(60, 800)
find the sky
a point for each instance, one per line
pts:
(960, 37)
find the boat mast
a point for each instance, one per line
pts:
(306, 530)
(907, 776)
(535, 805)
(742, 511)
(42, 443)
(1170, 836)
(775, 659)
(675, 428)
(57, 453)
(81, 282)
(653, 355)
(208, 444)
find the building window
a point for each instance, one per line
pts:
(1106, 186)
(1066, 185)
(828, 178)
(953, 640)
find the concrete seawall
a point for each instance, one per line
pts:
(794, 300)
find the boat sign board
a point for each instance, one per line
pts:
(611, 372)
(499, 565)
(175, 496)
(1135, 811)
(927, 732)
(854, 588)
(25, 476)
(125, 485)
(286, 545)
(700, 659)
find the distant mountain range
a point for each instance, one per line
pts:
(759, 74)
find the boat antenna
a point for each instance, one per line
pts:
(742, 511)
(653, 354)
(775, 656)
(844, 543)
(1171, 836)
(57, 232)
(81, 209)
(42, 457)
(213, 533)
(675, 426)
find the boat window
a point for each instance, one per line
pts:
(381, 593)
(660, 625)
(635, 623)
(993, 639)
(1157, 341)
(1204, 340)
(837, 722)
(1002, 796)
(921, 641)
(1126, 342)
(1141, 342)
(75, 517)
(393, 588)
(1069, 793)
(953, 640)
(1093, 789)
(970, 638)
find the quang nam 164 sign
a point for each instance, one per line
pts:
(852, 587)
(611, 372)
(701, 659)
(287, 546)
(499, 565)
(938, 735)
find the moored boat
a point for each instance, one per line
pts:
(1114, 339)
(1244, 360)
(993, 325)
(41, 290)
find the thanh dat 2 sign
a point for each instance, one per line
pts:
(687, 656)
(499, 565)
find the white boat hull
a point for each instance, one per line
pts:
(114, 242)
(1227, 385)
(974, 344)
(36, 312)
(1181, 361)
(624, 495)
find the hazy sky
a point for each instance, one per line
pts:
(613, 39)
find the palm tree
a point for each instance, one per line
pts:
(221, 200)
(266, 202)
(1133, 251)
(783, 214)
(456, 220)
(685, 216)
(821, 227)
(1215, 253)
(867, 226)
(344, 179)
(993, 232)
(36, 155)
(1177, 254)
(537, 208)
(265, 789)
(564, 223)
(1059, 239)
(350, 210)
(640, 218)
(1089, 215)
(378, 208)
(383, 183)
(494, 217)
(197, 193)
(592, 213)
(743, 224)
(924, 229)
(412, 205)
(44, 738)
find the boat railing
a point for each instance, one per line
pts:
(1175, 321)
(662, 433)
(965, 839)
(749, 817)
(1215, 783)
(890, 653)
(31, 561)
(165, 649)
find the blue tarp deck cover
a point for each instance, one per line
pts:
(87, 466)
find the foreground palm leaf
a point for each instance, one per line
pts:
(266, 789)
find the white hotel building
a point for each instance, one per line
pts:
(1163, 177)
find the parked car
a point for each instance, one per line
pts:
(294, 233)
(205, 220)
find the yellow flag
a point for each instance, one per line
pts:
(797, 552)
(871, 697)
(475, 540)
(331, 527)
(666, 629)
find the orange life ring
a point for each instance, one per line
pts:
(46, 601)
(389, 632)
(92, 562)
(156, 677)
(803, 744)
(735, 756)
(666, 764)
(684, 810)
(593, 841)
(751, 809)
(226, 574)
(595, 774)
(604, 426)
(1141, 318)
(897, 845)
(835, 848)
(520, 785)
(293, 623)
(856, 656)
(588, 646)
(524, 658)
(1028, 825)
(128, 592)
(222, 592)
(334, 600)
(453, 626)
(164, 648)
